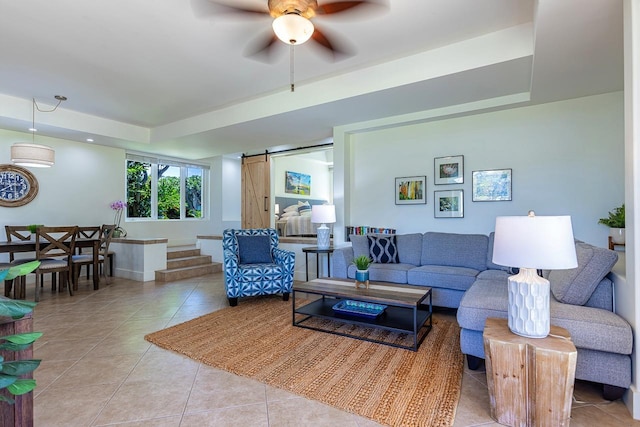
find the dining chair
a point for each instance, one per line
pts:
(55, 247)
(87, 232)
(17, 233)
(105, 233)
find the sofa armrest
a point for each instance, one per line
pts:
(342, 258)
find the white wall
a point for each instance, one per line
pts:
(567, 158)
(79, 187)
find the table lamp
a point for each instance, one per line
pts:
(323, 214)
(277, 209)
(530, 243)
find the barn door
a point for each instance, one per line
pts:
(256, 201)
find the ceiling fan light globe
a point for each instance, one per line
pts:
(292, 28)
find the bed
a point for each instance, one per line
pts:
(295, 216)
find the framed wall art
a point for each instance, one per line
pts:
(491, 185)
(411, 190)
(449, 170)
(297, 183)
(448, 204)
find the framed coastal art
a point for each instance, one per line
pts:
(411, 190)
(448, 204)
(448, 170)
(491, 185)
(297, 183)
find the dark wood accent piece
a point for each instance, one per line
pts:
(21, 413)
(233, 302)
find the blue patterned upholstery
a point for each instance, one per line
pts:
(242, 280)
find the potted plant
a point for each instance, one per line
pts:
(11, 367)
(615, 221)
(362, 264)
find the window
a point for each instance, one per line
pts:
(164, 189)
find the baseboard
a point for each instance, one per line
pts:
(632, 401)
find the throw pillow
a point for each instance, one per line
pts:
(575, 286)
(304, 209)
(383, 250)
(254, 249)
(291, 208)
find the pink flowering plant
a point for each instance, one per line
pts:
(118, 206)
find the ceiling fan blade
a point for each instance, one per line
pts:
(341, 6)
(336, 50)
(212, 7)
(262, 48)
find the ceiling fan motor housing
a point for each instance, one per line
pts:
(304, 8)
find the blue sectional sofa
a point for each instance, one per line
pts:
(459, 270)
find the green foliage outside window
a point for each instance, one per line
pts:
(138, 190)
(169, 197)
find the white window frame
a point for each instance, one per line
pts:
(183, 165)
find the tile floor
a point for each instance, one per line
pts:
(98, 370)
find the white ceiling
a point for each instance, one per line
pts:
(155, 76)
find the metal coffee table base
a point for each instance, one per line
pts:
(414, 319)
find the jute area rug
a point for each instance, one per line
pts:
(392, 386)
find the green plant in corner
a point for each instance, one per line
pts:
(616, 218)
(362, 262)
(10, 371)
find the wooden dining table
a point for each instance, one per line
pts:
(30, 246)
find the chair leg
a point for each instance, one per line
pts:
(69, 279)
(111, 256)
(233, 302)
(285, 296)
(20, 288)
(38, 284)
(8, 284)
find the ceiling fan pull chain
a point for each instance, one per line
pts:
(293, 86)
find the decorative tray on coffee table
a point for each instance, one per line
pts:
(359, 308)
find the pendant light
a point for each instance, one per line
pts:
(32, 154)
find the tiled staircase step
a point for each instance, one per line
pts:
(182, 252)
(188, 261)
(170, 275)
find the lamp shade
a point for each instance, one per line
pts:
(33, 155)
(277, 208)
(292, 28)
(323, 214)
(540, 242)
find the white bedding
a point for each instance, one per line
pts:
(300, 226)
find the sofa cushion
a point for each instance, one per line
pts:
(442, 276)
(383, 249)
(613, 332)
(575, 286)
(409, 248)
(392, 273)
(456, 250)
(493, 275)
(254, 249)
(490, 263)
(360, 245)
(486, 298)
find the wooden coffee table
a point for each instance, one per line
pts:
(409, 308)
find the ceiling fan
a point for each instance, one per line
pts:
(292, 21)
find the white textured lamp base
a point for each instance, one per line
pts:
(324, 238)
(529, 314)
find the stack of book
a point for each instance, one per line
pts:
(365, 229)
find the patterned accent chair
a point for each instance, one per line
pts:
(254, 265)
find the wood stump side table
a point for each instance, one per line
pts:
(530, 380)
